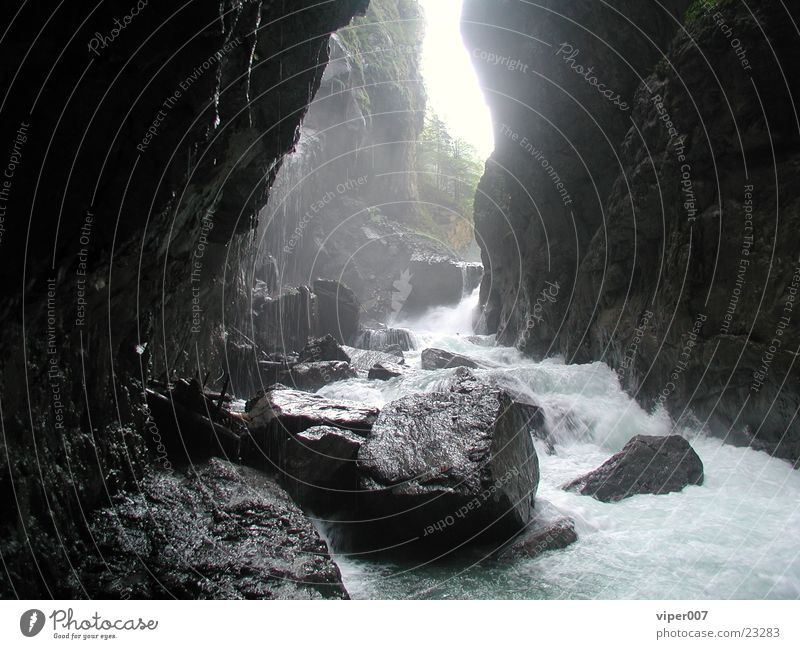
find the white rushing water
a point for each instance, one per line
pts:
(736, 536)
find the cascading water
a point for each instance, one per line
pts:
(733, 537)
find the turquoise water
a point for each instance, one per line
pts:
(736, 536)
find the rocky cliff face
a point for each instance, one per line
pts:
(125, 215)
(346, 203)
(638, 207)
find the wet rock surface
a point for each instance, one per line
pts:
(216, 532)
(646, 465)
(450, 465)
(295, 411)
(439, 359)
(364, 360)
(321, 349)
(385, 371)
(675, 244)
(311, 377)
(548, 530)
(381, 339)
(202, 179)
(318, 467)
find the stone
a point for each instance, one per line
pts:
(364, 360)
(439, 359)
(318, 467)
(646, 465)
(217, 531)
(311, 377)
(324, 348)
(548, 530)
(448, 466)
(385, 371)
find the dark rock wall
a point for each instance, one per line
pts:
(137, 169)
(669, 255)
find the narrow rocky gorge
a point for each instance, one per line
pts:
(243, 358)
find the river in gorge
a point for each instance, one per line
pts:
(736, 536)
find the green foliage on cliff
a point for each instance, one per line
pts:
(448, 172)
(386, 46)
(699, 7)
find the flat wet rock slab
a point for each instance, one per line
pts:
(296, 411)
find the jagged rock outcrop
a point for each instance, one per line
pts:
(648, 226)
(345, 206)
(541, 199)
(646, 465)
(219, 531)
(717, 206)
(157, 157)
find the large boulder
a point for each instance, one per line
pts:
(217, 532)
(448, 467)
(339, 310)
(439, 359)
(646, 465)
